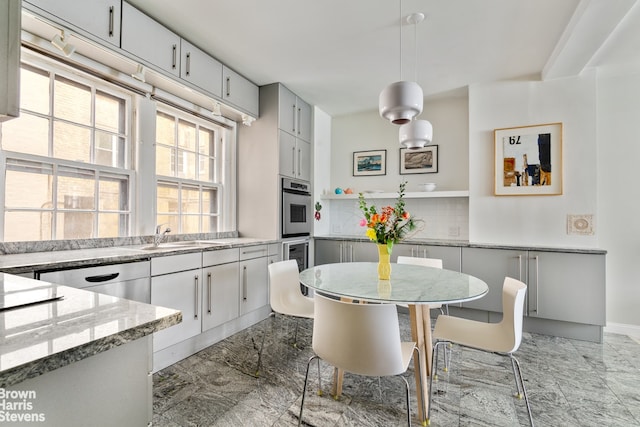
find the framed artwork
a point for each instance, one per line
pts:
(528, 160)
(367, 163)
(421, 160)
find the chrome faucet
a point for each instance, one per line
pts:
(160, 235)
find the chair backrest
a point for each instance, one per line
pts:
(284, 285)
(360, 338)
(426, 262)
(513, 292)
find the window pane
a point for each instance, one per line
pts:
(113, 194)
(167, 199)
(110, 224)
(109, 112)
(205, 142)
(72, 101)
(209, 224)
(25, 226)
(74, 225)
(109, 150)
(186, 135)
(190, 223)
(170, 221)
(164, 160)
(205, 168)
(186, 164)
(34, 90)
(28, 190)
(26, 134)
(210, 201)
(76, 189)
(71, 142)
(190, 200)
(165, 129)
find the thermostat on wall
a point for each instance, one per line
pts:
(580, 225)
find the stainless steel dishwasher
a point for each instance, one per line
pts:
(130, 280)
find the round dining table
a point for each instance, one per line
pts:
(413, 285)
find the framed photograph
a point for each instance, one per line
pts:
(421, 160)
(367, 163)
(528, 160)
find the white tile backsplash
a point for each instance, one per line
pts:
(441, 216)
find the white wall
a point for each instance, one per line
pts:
(321, 166)
(533, 220)
(618, 132)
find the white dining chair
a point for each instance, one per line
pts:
(363, 339)
(425, 262)
(286, 298)
(501, 338)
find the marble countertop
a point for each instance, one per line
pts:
(466, 244)
(42, 337)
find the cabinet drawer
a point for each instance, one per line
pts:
(174, 263)
(222, 256)
(99, 275)
(257, 251)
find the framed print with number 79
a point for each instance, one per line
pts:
(528, 160)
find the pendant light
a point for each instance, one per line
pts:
(416, 133)
(401, 101)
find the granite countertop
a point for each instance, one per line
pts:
(42, 337)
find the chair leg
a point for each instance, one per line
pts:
(522, 391)
(304, 389)
(406, 383)
(434, 367)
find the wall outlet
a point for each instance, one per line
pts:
(454, 231)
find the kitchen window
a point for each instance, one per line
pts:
(188, 171)
(66, 159)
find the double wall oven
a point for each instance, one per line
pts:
(297, 222)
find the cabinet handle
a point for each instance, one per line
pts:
(294, 118)
(537, 287)
(195, 314)
(111, 21)
(228, 87)
(188, 63)
(520, 267)
(293, 161)
(254, 251)
(173, 60)
(101, 278)
(350, 253)
(244, 283)
(209, 293)
(299, 160)
(298, 121)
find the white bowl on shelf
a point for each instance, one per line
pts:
(427, 186)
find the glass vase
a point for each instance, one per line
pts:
(384, 262)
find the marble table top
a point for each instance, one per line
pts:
(39, 338)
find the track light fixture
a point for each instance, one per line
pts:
(216, 109)
(247, 120)
(60, 42)
(140, 73)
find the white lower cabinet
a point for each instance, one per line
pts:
(254, 285)
(450, 255)
(332, 251)
(221, 290)
(176, 282)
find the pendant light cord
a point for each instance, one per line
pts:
(400, 19)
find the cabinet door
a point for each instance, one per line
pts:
(221, 295)
(362, 251)
(288, 154)
(100, 18)
(303, 159)
(303, 118)
(254, 284)
(287, 110)
(239, 91)
(149, 40)
(567, 286)
(492, 266)
(450, 255)
(327, 252)
(10, 19)
(200, 69)
(180, 291)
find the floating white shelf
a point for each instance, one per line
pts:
(394, 195)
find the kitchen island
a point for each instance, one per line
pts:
(77, 358)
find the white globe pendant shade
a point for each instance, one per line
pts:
(400, 102)
(416, 134)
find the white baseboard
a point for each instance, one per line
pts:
(623, 329)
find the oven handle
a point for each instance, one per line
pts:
(298, 192)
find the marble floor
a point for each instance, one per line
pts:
(570, 383)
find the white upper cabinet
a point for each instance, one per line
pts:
(10, 66)
(294, 114)
(100, 18)
(200, 69)
(150, 40)
(240, 92)
(295, 156)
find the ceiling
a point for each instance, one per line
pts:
(339, 54)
